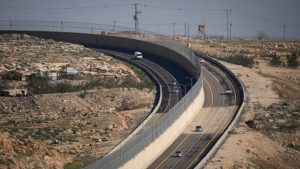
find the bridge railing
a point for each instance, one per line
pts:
(119, 157)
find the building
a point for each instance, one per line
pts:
(14, 92)
(72, 71)
(52, 76)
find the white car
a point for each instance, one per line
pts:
(175, 89)
(138, 55)
(173, 82)
(228, 91)
(199, 128)
(201, 60)
(179, 153)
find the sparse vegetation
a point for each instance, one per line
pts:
(275, 60)
(12, 75)
(292, 60)
(260, 164)
(261, 35)
(56, 120)
(239, 59)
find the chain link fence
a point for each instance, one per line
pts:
(136, 144)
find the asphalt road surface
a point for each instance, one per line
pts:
(169, 96)
(216, 114)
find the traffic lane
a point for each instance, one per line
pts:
(222, 118)
(166, 159)
(161, 73)
(168, 77)
(205, 120)
(182, 77)
(229, 80)
(222, 123)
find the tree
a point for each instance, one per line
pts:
(3, 85)
(292, 60)
(261, 35)
(12, 75)
(275, 60)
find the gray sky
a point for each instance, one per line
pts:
(247, 16)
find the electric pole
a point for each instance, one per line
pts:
(284, 28)
(230, 31)
(184, 29)
(174, 30)
(135, 17)
(188, 30)
(114, 26)
(227, 14)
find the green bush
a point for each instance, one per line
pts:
(292, 60)
(12, 75)
(239, 59)
(3, 85)
(275, 60)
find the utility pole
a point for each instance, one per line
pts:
(188, 30)
(114, 26)
(227, 14)
(174, 30)
(135, 17)
(230, 31)
(284, 28)
(184, 29)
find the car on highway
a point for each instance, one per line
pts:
(179, 153)
(201, 60)
(138, 55)
(173, 82)
(175, 89)
(199, 128)
(228, 91)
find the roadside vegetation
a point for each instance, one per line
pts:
(239, 59)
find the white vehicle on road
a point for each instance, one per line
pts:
(138, 55)
(228, 91)
(201, 60)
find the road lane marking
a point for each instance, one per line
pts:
(222, 124)
(202, 135)
(167, 157)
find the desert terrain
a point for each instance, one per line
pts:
(63, 105)
(267, 134)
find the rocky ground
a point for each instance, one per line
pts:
(66, 130)
(268, 132)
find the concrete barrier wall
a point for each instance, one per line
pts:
(143, 158)
(114, 42)
(150, 153)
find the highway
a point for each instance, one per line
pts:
(169, 96)
(214, 117)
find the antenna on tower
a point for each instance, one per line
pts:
(135, 18)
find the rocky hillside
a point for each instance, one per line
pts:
(70, 120)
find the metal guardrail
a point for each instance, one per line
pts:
(119, 157)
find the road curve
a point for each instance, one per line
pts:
(216, 114)
(169, 97)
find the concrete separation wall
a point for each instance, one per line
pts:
(150, 153)
(114, 42)
(242, 92)
(136, 130)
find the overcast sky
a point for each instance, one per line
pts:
(247, 16)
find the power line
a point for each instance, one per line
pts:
(181, 9)
(264, 19)
(63, 8)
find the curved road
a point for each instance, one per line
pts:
(169, 96)
(214, 117)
